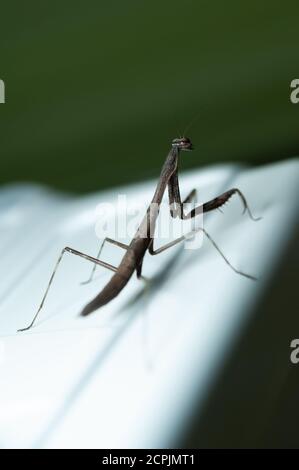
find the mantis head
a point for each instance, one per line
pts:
(183, 143)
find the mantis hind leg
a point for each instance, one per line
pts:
(73, 252)
(108, 240)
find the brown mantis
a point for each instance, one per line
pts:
(143, 240)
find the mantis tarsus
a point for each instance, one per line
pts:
(143, 239)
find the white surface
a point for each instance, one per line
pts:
(130, 374)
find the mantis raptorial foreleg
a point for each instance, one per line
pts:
(216, 203)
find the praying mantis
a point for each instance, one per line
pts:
(143, 240)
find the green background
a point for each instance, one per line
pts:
(96, 90)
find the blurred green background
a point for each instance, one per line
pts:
(96, 90)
